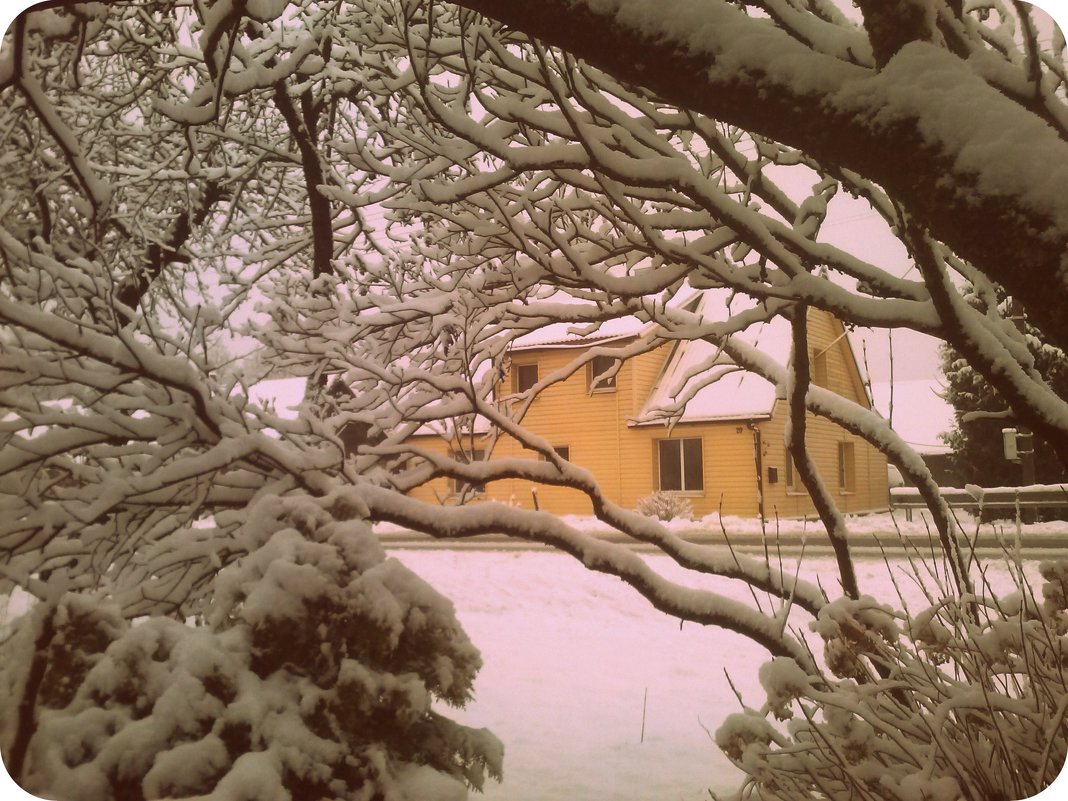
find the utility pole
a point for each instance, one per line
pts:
(1025, 440)
(1026, 449)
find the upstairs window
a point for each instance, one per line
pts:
(596, 374)
(819, 369)
(847, 471)
(680, 465)
(563, 451)
(524, 376)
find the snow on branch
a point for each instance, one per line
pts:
(686, 603)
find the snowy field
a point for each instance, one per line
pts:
(571, 657)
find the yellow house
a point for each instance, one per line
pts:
(725, 449)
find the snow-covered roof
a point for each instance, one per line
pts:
(731, 393)
(855, 342)
(920, 412)
(696, 371)
(738, 395)
(572, 335)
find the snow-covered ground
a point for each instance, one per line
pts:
(575, 660)
(569, 657)
(597, 695)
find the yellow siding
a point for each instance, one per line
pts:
(730, 479)
(823, 438)
(594, 427)
(872, 492)
(645, 370)
(436, 491)
(826, 336)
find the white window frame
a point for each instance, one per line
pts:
(847, 467)
(604, 383)
(515, 376)
(683, 490)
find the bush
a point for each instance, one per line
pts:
(665, 506)
(314, 677)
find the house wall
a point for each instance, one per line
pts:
(594, 427)
(727, 450)
(727, 457)
(871, 490)
(843, 377)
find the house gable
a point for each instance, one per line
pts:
(829, 341)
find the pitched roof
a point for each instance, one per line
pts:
(711, 385)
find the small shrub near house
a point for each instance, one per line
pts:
(665, 506)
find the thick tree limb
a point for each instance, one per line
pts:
(27, 708)
(954, 178)
(699, 606)
(302, 127)
(833, 521)
(1033, 402)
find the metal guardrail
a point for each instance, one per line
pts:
(976, 498)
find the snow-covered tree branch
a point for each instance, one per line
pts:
(388, 199)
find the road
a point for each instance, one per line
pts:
(988, 541)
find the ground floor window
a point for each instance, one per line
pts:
(680, 465)
(563, 451)
(458, 486)
(790, 471)
(847, 467)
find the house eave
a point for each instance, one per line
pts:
(723, 418)
(572, 344)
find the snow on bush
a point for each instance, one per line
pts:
(665, 506)
(315, 675)
(964, 700)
